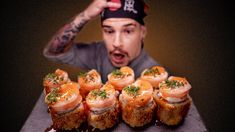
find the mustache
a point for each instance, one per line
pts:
(119, 50)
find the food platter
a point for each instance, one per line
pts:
(40, 120)
(121, 104)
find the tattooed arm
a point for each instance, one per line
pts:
(65, 36)
(63, 39)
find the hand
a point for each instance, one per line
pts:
(97, 6)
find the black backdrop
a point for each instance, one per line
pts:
(191, 38)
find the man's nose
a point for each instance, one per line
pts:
(117, 40)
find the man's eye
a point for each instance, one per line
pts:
(128, 31)
(108, 31)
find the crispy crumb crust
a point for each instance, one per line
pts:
(138, 116)
(69, 120)
(171, 113)
(106, 119)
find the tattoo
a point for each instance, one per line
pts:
(66, 35)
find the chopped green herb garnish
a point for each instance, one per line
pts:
(152, 71)
(55, 79)
(132, 90)
(50, 76)
(52, 96)
(82, 74)
(117, 73)
(101, 93)
(172, 83)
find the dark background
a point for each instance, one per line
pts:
(192, 38)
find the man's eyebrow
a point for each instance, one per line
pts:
(130, 24)
(126, 25)
(106, 26)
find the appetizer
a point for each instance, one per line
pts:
(154, 75)
(137, 103)
(55, 80)
(88, 81)
(173, 100)
(103, 107)
(122, 77)
(66, 107)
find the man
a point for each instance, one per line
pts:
(123, 33)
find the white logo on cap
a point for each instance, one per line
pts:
(129, 6)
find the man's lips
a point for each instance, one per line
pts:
(118, 56)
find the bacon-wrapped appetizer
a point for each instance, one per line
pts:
(121, 78)
(88, 81)
(66, 107)
(103, 107)
(173, 100)
(55, 80)
(137, 103)
(154, 75)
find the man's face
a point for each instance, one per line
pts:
(123, 38)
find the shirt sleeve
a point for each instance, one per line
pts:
(80, 55)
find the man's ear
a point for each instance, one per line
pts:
(143, 31)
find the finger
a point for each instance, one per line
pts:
(113, 5)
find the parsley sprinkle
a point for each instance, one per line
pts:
(101, 93)
(82, 74)
(117, 73)
(152, 71)
(52, 96)
(50, 76)
(172, 84)
(132, 90)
